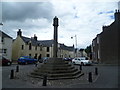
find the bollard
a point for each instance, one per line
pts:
(17, 68)
(36, 64)
(96, 71)
(12, 74)
(80, 67)
(90, 77)
(45, 80)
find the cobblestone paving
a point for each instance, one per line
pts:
(37, 82)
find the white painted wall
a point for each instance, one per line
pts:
(7, 44)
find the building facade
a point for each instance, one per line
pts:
(24, 46)
(65, 51)
(5, 45)
(105, 48)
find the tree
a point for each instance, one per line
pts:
(88, 51)
(81, 50)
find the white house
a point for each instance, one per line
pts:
(5, 45)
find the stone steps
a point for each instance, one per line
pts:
(58, 78)
(56, 65)
(57, 69)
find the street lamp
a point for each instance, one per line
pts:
(75, 42)
(1, 24)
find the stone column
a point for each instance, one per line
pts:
(55, 46)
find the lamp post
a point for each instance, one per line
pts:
(1, 24)
(75, 42)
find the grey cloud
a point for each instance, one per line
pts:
(20, 11)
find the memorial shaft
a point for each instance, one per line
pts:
(55, 46)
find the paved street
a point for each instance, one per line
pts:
(0, 77)
(107, 78)
(14, 83)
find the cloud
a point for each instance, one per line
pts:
(29, 16)
(26, 10)
(84, 19)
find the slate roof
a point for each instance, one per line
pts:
(4, 34)
(25, 39)
(45, 43)
(70, 48)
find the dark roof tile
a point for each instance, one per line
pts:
(46, 43)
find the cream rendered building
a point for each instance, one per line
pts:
(24, 46)
(66, 51)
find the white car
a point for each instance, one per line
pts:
(81, 61)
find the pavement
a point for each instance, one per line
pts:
(107, 78)
(0, 77)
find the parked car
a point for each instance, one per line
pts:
(68, 59)
(44, 59)
(81, 61)
(26, 60)
(5, 61)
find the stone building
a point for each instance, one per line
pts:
(5, 45)
(105, 48)
(66, 51)
(24, 46)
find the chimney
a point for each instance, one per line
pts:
(19, 33)
(117, 15)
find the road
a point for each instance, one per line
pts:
(107, 78)
(14, 83)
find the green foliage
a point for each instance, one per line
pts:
(88, 49)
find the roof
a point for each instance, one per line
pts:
(70, 48)
(4, 35)
(45, 43)
(25, 39)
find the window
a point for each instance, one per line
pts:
(4, 50)
(35, 47)
(98, 54)
(48, 55)
(40, 48)
(29, 54)
(0, 50)
(40, 56)
(93, 43)
(30, 46)
(98, 40)
(22, 47)
(2, 40)
(47, 49)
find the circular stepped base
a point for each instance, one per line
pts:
(56, 68)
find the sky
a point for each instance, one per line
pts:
(83, 19)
